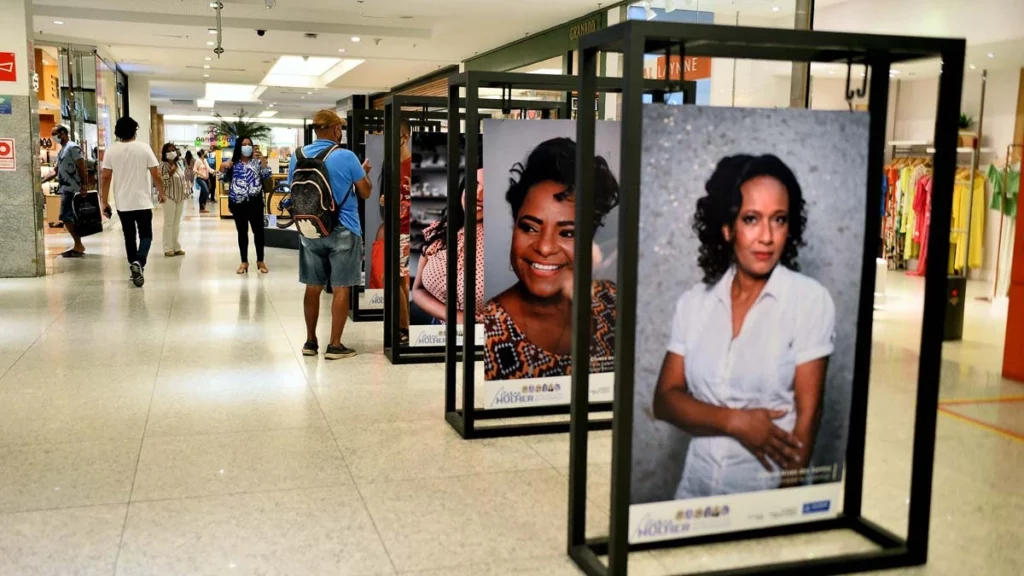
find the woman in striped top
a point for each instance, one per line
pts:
(178, 192)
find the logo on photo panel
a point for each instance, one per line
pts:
(661, 528)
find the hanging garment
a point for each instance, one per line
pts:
(960, 228)
(910, 247)
(923, 206)
(1008, 188)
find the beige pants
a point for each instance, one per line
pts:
(172, 224)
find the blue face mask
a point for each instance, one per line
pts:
(247, 151)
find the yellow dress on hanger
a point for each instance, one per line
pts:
(959, 227)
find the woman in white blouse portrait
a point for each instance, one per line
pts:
(744, 373)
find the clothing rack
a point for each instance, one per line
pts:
(1002, 218)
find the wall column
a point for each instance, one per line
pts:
(138, 103)
(21, 217)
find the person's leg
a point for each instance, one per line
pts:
(339, 315)
(403, 286)
(241, 226)
(256, 222)
(204, 192)
(311, 308)
(131, 247)
(145, 223)
(67, 216)
(179, 213)
(168, 227)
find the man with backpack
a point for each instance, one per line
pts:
(323, 177)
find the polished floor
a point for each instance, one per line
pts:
(176, 429)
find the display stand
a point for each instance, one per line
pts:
(424, 112)
(464, 419)
(635, 39)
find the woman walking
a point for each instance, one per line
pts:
(172, 170)
(246, 171)
(202, 170)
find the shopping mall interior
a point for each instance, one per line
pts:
(180, 427)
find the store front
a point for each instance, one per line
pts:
(80, 89)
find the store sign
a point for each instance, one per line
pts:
(693, 67)
(7, 160)
(8, 70)
(577, 31)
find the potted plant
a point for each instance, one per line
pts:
(967, 138)
(241, 126)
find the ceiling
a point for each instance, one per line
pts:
(166, 40)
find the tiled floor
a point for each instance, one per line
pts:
(176, 429)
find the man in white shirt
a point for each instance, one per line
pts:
(133, 169)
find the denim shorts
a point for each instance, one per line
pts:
(336, 260)
(67, 207)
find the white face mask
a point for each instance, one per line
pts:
(246, 151)
(172, 156)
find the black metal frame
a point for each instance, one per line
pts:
(429, 111)
(633, 39)
(464, 419)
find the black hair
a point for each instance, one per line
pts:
(456, 219)
(163, 151)
(189, 159)
(721, 206)
(237, 154)
(555, 160)
(59, 128)
(126, 128)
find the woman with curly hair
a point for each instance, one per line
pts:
(745, 369)
(529, 326)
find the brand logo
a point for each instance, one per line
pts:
(820, 506)
(504, 397)
(580, 30)
(377, 299)
(654, 528)
(430, 338)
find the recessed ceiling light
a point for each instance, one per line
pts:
(309, 93)
(211, 43)
(341, 49)
(211, 30)
(206, 75)
(214, 4)
(991, 55)
(268, 114)
(356, 38)
(208, 58)
(302, 97)
(775, 8)
(206, 67)
(58, 22)
(973, 67)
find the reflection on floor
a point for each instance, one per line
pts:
(176, 429)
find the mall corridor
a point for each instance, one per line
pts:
(177, 429)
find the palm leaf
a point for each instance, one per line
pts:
(241, 125)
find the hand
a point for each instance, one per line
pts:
(758, 433)
(162, 198)
(108, 212)
(367, 166)
(84, 192)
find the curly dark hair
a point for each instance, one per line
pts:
(721, 206)
(555, 160)
(126, 128)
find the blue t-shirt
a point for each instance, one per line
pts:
(344, 170)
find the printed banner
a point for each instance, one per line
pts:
(544, 391)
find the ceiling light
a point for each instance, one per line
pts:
(206, 75)
(308, 73)
(355, 38)
(268, 114)
(309, 93)
(775, 8)
(973, 67)
(341, 49)
(300, 66)
(991, 55)
(214, 4)
(206, 67)
(208, 58)
(203, 103)
(211, 30)
(58, 22)
(211, 43)
(231, 92)
(302, 97)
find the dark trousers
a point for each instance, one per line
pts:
(249, 214)
(140, 222)
(204, 192)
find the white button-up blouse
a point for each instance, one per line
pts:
(791, 322)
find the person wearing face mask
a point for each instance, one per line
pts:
(744, 371)
(178, 191)
(202, 170)
(528, 327)
(334, 260)
(71, 175)
(246, 172)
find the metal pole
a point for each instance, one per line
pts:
(800, 80)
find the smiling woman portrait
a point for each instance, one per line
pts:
(529, 326)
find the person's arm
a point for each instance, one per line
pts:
(361, 178)
(83, 172)
(166, 171)
(50, 176)
(423, 298)
(105, 176)
(158, 181)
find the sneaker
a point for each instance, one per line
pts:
(337, 353)
(179, 252)
(137, 277)
(169, 254)
(310, 349)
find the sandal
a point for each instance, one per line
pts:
(262, 267)
(243, 268)
(72, 253)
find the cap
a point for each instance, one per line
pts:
(326, 119)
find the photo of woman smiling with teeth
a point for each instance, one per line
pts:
(529, 325)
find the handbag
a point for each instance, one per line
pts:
(87, 215)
